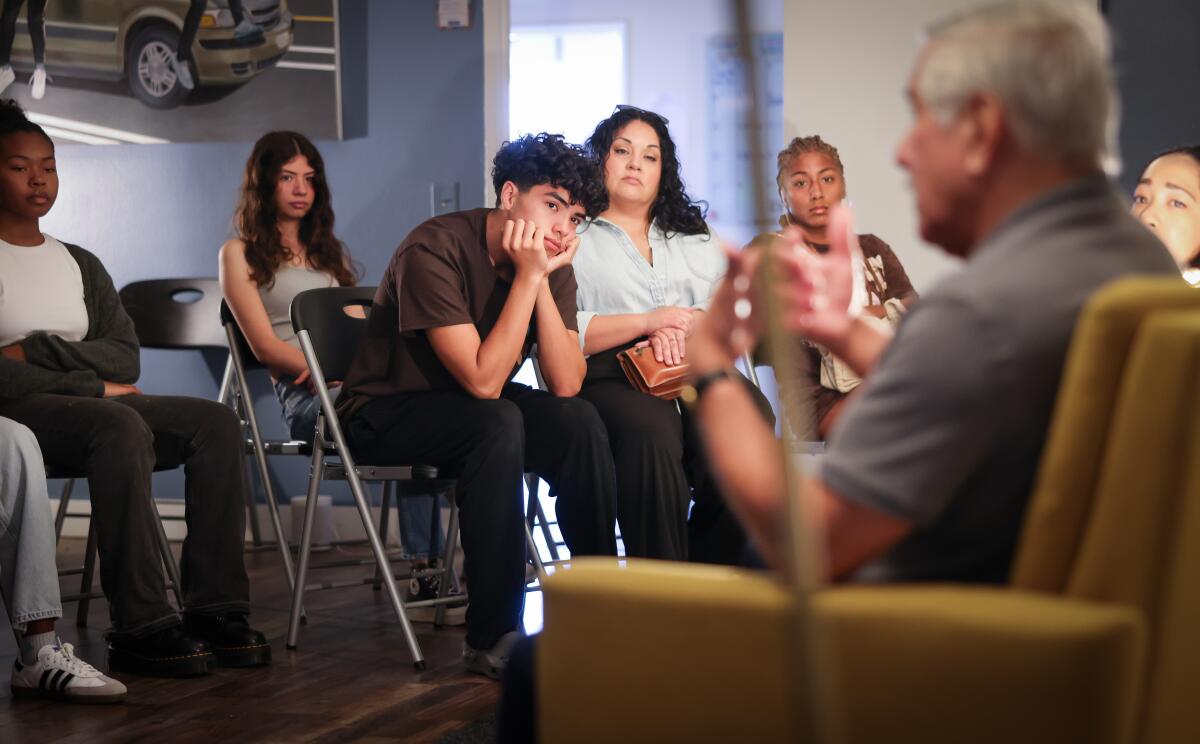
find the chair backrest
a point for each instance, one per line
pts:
(1078, 439)
(335, 336)
(175, 313)
(1141, 543)
(245, 353)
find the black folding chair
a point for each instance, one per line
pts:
(329, 338)
(235, 392)
(237, 395)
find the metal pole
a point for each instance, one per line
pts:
(812, 710)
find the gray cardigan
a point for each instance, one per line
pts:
(109, 351)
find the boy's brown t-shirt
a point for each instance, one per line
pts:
(441, 275)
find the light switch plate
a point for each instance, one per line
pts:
(443, 198)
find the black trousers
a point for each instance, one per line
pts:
(117, 443)
(36, 21)
(661, 467)
(238, 12)
(488, 445)
(191, 26)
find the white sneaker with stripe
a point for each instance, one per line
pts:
(61, 675)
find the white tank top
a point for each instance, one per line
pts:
(41, 289)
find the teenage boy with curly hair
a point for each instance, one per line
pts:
(462, 302)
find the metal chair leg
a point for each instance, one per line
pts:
(310, 513)
(389, 581)
(448, 576)
(385, 504)
(61, 516)
(264, 473)
(251, 509)
(455, 577)
(360, 500)
(531, 504)
(231, 397)
(534, 558)
(85, 583)
(547, 533)
(435, 517)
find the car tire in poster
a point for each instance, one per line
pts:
(149, 67)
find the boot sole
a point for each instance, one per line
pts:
(245, 656)
(193, 665)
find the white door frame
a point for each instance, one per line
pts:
(496, 24)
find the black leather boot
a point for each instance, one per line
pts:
(231, 639)
(168, 653)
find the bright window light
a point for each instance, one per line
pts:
(564, 79)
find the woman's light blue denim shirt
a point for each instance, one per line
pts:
(614, 279)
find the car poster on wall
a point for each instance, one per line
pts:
(114, 72)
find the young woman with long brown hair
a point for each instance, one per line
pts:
(285, 245)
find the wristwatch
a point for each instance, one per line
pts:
(691, 392)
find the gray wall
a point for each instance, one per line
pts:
(1158, 67)
(414, 97)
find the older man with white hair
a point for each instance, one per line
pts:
(927, 474)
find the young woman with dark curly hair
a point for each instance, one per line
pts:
(645, 268)
(285, 245)
(462, 301)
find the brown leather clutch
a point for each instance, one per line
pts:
(652, 376)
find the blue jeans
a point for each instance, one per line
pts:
(421, 537)
(28, 573)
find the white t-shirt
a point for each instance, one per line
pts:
(41, 289)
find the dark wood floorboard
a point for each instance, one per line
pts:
(350, 680)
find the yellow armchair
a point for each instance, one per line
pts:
(1095, 640)
(661, 652)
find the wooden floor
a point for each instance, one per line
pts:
(351, 680)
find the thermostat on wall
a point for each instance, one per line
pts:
(454, 14)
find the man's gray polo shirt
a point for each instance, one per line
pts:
(949, 428)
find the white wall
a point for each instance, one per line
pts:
(845, 68)
(666, 58)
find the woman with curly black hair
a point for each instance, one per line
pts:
(645, 268)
